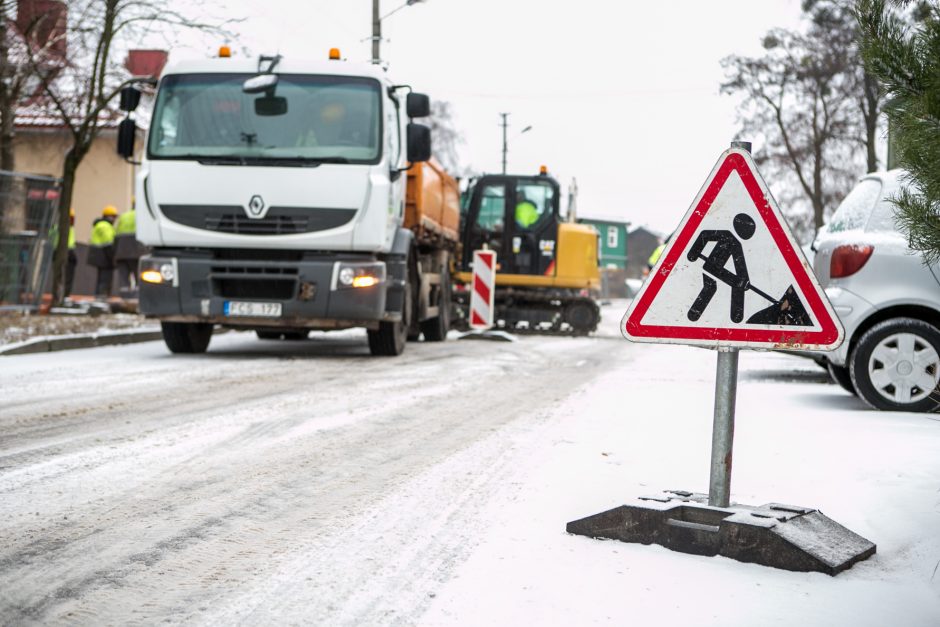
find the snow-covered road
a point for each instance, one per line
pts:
(308, 483)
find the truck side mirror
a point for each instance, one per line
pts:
(419, 142)
(130, 98)
(418, 105)
(127, 133)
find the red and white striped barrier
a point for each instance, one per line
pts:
(482, 298)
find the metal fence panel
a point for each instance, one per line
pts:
(28, 207)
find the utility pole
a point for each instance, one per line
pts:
(376, 32)
(505, 126)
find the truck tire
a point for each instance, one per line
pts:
(896, 365)
(435, 329)
(186, 337)
(390, 338)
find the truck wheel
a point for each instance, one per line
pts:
(842, 376)
(186, 337)
(390, 338)
(896, 365)
(268, 335)
(435, 329)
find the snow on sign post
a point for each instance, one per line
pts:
(732, 277)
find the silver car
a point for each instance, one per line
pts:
(887, 299)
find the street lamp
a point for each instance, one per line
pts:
(377, 25)
(505, 126)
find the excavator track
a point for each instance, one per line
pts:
(536, 312)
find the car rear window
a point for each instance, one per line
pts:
(883, 217)
(855, 209)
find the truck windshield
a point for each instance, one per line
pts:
(314, 119)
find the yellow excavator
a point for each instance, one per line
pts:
(547, 271)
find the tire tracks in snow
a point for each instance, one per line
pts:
(211, 503)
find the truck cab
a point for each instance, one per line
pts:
(273, 198)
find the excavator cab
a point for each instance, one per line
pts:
(517, 216)
(546, 269)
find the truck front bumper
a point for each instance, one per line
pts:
(308, 291)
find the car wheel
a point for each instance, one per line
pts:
(896, 365)
(842, 376)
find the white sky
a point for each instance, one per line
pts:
(622, 95)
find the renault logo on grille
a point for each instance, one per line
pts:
(256, 207)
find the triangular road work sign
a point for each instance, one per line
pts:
(732, 274)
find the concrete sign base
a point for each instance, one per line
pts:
(489, 334)
(780, 536)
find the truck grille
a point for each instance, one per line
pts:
(277, 221)
(269, 225)
(269, 283)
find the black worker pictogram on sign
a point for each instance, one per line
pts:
(733, 275)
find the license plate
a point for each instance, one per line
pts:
(257, 310)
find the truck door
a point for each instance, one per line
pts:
(532, 220)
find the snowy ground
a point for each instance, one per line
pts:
(307, 483)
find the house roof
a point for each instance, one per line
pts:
(42, 114)
(644, 228)
(604, 220)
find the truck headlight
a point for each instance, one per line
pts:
(353, 275)
(158, 271)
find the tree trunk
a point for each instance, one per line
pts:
(7, 135)
(60, 258)
(819, 208)
(870, 112)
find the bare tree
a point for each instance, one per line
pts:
(833, 22)
(28, 34)
(81, 95)
(813, 108)
(445, 137)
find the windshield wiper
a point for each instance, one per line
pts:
(220, 160)
(298, 162)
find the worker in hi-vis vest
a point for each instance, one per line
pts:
(657, 253)
(101, 250)
(127, 251)
(526, 212)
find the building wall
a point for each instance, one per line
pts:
(103, 178)
(641, 246)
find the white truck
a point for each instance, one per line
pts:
(272, 193)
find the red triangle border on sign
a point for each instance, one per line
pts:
(829, 332)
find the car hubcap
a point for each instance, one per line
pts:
(904, 368)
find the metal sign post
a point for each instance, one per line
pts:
(726, 389)
(735, 235)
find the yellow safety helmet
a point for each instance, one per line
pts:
(71, 213)
(110, 210)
